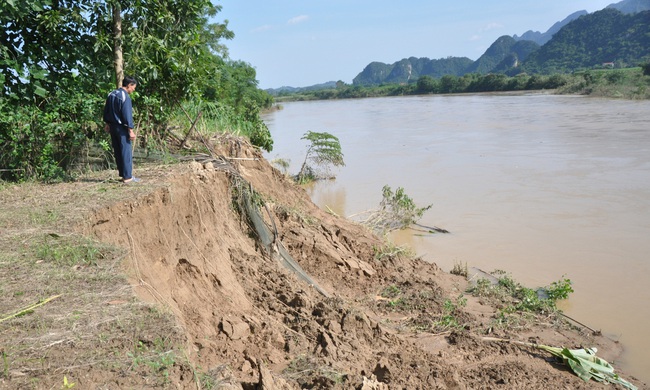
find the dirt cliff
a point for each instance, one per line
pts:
(212, 308)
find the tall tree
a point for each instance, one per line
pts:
(118, 57)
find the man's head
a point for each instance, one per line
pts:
(129, 84)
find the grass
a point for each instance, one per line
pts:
(425, 310)
(517, 304)
(459, 269)
(70, 250)
(158, 356)
(448, 320)
(389, 249)
(306, 370)
(96, 322)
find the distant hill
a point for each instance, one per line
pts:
(591, 40)
(502, 55)
(410, 69)
(631, 6)
(542, 38)
(617, 34)
(290, 90)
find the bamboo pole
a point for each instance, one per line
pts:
(29, 308)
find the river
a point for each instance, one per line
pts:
(539, 185)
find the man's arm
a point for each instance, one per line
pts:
(106, 115)
(127, 113)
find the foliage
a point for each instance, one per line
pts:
(158, 356)
(459, 269)
(324, 149)
(449, 307)
(471, 82)
(517, 298)
(591, 40)
(55, 68)
(629, 83)
(646, 69)
(396, 211)
(559, 290)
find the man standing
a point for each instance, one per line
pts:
(118, 118)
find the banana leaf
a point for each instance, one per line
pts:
(583, 362)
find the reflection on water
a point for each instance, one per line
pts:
(541, 186)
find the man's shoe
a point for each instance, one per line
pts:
(131, 180)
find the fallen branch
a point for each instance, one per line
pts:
(28, 308)
(432, 229)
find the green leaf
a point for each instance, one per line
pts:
(38, 74)
(40, 91)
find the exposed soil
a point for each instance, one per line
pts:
(183, 296)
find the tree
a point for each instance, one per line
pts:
(59, 59)
(426, 84)
(324, 149)
(646, 69)
(117, 44)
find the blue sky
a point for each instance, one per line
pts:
(300, 43)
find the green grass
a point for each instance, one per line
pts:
(519, 304)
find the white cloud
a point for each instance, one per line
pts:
(263, 28)
(491, 26)
(298, 19)
(474, 37)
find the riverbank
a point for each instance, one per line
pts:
(627, 83)
(164, 285)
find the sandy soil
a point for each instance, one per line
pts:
(237, 319)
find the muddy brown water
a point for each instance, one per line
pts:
(538, 185)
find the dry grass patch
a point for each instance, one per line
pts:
(67, 313)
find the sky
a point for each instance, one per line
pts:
(300, 43)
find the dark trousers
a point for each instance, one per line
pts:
(122, 151)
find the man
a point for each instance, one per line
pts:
(118, 118)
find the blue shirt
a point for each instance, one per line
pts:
(118, 109)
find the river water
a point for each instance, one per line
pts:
(538, 185)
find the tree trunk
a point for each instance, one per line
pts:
(117, 44)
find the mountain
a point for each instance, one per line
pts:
(286, 89)
(591, 40)
(504, 53)
(542, 38)
(631, 6)
(410, 69)
(581, 40)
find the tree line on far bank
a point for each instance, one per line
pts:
(630, 83)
